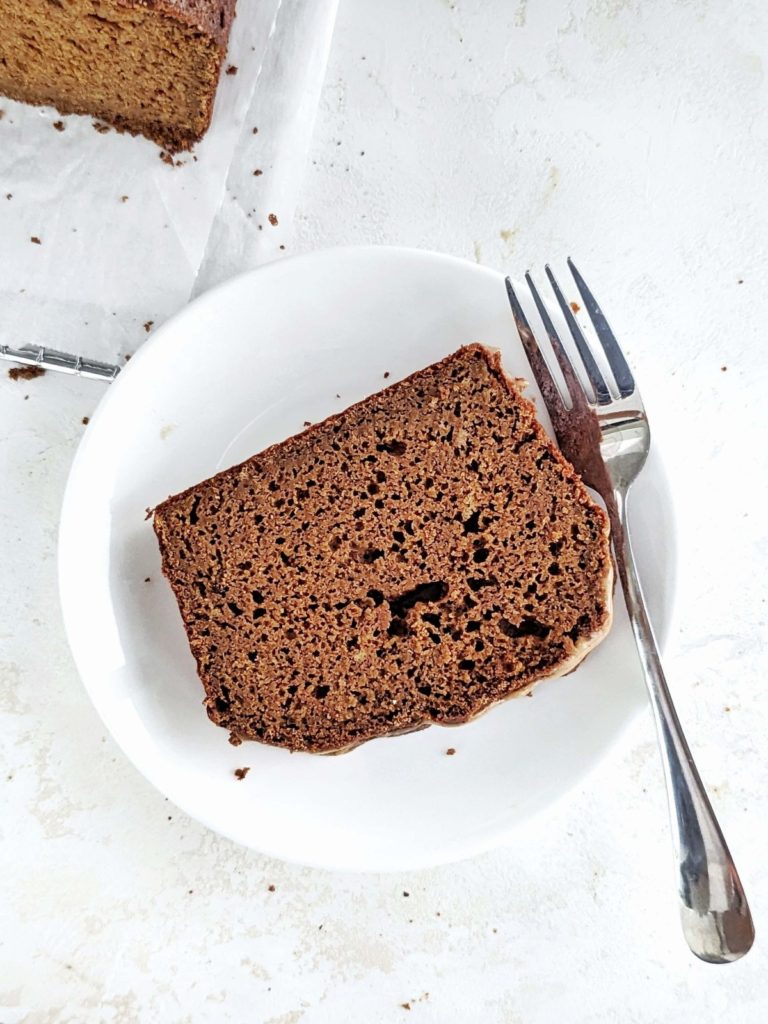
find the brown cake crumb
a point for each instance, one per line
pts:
(258, 172)
(86, 420)
(575, 307)
(26, 372)
(412, 560)
(270, 888)
(35, 240)
(59, 126)
(123, 199)
(450, 751)
(147, 579)
(255, 131)
(272, 220)
(386, 374)
(240, 773)
(166, 158)
(148, 325)
(100, 127)
(232, 69)
(406, 1006)
(406, 893)
(723, 369)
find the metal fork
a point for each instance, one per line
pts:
(603, 431)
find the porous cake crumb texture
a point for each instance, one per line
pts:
(413, 560)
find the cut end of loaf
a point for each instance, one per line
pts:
(144, 68)
(414, 560)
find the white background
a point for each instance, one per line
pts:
(634, 136)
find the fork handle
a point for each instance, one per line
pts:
(715, 915)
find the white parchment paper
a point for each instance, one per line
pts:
(122, 231)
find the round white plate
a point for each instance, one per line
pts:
(245, 366)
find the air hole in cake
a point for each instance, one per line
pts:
(234, 608)
(372, 555)
(527, 627)
(472, 524)
(322, 691)
(398, 627)
(392, 447)
(193, 511)
(466, 664)
(480, 555)
(425, 592)
(478, 584)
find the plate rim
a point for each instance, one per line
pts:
(468, 847)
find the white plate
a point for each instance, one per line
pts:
(242, 367)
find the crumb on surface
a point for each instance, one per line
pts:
(740, 281)
(59, 126)
(406, 1006)
(9, 195)
(273, 220)
(450, 751)
(406, 893)
(270, 888)
(232, 69)
(25, 372)
(148, 325)
(147, 579)
(257, 172)
(35, 240)
(307, 423)
(166, 158)
(575, 307)
(255, 131)
(127, 357)
(386, 374)
(240, 773)
(723, 369)
(86, 420)
(282, 247)
(123, 199)
(100, 127)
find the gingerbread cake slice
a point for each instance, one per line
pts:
(413, 560)
(144, 66)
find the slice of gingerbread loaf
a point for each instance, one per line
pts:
(144, 66)
(413, 560)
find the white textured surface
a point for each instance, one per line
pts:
(633, 135)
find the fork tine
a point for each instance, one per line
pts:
(574, 385)
(545, 380)
(602, 394)
(618, 364)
